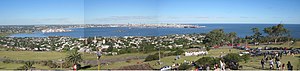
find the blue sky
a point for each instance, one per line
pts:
(148, 11)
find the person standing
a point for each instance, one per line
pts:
(282, 66)
(262, 62)
(271, 64)
(278, 65)
(289, 65)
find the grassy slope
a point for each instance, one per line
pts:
(30, 55)
(255, 62)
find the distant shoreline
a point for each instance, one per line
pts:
(241, 29)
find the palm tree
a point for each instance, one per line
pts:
(74, 57)
(28, 65)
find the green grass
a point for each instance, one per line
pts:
(117, 65)
(14, 66)
(10, 66)
(221, 51)
(32, 55)
(52, 55)
(36, 56)
(168, 61)
(254, 62)
(87, 56)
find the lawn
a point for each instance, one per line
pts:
(221, 51)
(87, 56)
(32, 55)
(117, 65)
(52, 55)
(14, 66)
(10, 66)
(168, 61)
(254, 62)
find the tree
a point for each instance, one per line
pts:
(74, 57)
(214, 37)
(257, 35)
(276, 32)
(231, 35)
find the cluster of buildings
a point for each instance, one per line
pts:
(92, 44)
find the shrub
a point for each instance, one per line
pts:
(179, 52)
(151, 57)
(208, 61)
(184, 66)
(7, 61)
(50, 64)
(232, 57)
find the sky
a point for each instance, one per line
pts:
(39, 12)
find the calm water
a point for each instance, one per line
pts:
(241, 29)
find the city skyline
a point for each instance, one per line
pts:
(36, 12)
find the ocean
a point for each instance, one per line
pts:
(242, 30)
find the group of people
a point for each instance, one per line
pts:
(275, 63)
(219, 66)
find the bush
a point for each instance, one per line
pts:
(152, 57)
(208, 61)
(179, 52)
(184, 66)
(50, 64)
(7, 61)
(207, 48)
(232, 60)
(232, 57)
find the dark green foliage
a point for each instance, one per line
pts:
(152, 57)
(230, 36)
(184, 66)
(181, 41)
(74, 57)
(207, 48)
(147, 47)
(179, 52)
(208, 61)
(232, 57)
(257, 35)
(28, 65)
(275, 32)
(214, 37)
(49, 63)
